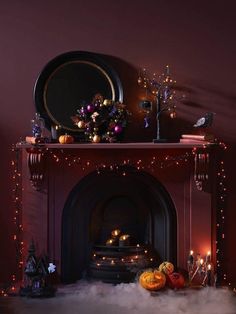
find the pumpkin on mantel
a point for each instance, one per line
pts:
(152, 280)
(66, 139)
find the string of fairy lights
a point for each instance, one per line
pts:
(153, 164)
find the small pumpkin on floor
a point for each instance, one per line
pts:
(152, 280)
(166, 267)
(175, 280)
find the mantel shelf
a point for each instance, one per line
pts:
(147, 145)
(37, 155)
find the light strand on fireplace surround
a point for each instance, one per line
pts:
(10, 287)
(154, 163)
(221, 205)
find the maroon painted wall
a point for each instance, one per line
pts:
(196, 38)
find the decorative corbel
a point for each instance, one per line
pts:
(201, 168)
(36, 165)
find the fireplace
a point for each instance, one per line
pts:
(135, 203)
(77, 194)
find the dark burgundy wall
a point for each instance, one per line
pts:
(196, 38)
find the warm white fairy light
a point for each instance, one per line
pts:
(155, 163)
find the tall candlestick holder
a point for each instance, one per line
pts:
(200, 270)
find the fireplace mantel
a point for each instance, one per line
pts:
(37, 155)
(190, 184)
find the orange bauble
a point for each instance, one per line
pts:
(152, 280)
(176, 281)
(66, 139)
(166, 267)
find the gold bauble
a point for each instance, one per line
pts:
(81, 124)
(96, 139)
(107, 102)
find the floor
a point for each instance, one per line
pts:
(99, 298)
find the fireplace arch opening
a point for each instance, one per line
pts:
(136, 203)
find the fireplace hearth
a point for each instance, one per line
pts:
(117, 264)
(79, 193)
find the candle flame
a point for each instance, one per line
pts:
(201, 261)
(124, 237)
(209, 267)
(209, 253)
(191, 252)
(115, 232)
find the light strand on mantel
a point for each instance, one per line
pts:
(155, 162)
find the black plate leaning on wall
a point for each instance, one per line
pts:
(70, 81)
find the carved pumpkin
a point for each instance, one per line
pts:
(152, 280)
(66, 139)
(166, 267)
(176, 281)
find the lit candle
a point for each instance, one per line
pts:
(110, 242)
(55, 132)
(199, 264)
(208, 257)
(209, 274)
(124, 240)
(115, 233)
(190, 258)
(190, 263)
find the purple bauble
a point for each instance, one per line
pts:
(82, 111)
(97, 104)
(118, 129)
(90, 108)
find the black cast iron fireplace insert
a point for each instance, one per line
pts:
(129, 200)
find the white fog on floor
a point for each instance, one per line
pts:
(101, 298)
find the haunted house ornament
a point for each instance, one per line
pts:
(36, 276)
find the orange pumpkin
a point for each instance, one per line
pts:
(66, 139)
(176, 281)
(152, 280)
(166, 267)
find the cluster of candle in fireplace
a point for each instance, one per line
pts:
(200, 269)
(121, 250)
(118, 239)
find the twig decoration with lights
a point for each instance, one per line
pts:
(103, 120)
(161, 90)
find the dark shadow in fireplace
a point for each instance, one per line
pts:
(136, 203)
